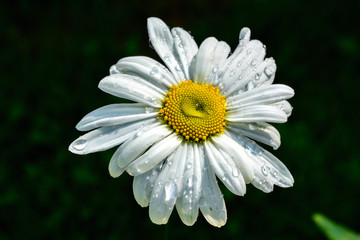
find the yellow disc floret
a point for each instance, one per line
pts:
(195, 111)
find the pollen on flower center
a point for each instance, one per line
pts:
(196, 111)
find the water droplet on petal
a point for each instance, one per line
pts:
(170, 191)
(167, 58)
(269, 71)
(189, 165)
(264, 171)
(248, 52)
(214, 70)
(148, 109)
(139, 133)
(79, 144)
(232, 73)
(253, 62)
(178, 68)
(257, 76)
(154, 71)
(114, 70)
(235, 172)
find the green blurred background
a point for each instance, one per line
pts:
(54, 53)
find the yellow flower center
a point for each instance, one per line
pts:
(196, 111)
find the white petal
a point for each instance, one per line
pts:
(259, 131)
(262, 74)
(209, 60)
(237, 154)
(143, 186)
(187, 204)
(257, 113)
(154, 155)
(122, 163)
(225, 170)
(141, 144)
(148, 69)
(132, 88)
(163, 43)
(106, 137)
(284, 106)
(186, 48)
(270, 171)
(167, 186)
(212, 204)
(260, 96)
(241, 68)
(244, 38)
(114, 169)
(115, 114)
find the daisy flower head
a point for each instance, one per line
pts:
(192, 122)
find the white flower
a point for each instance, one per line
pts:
(192, 121)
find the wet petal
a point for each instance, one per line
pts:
(140, 144)
(186, 48)
(115, 114)
(106, 137)
(284, 106)
(147, 68)
(259, 131)
(132, 88)
(237, 154)
(208, 61)
(143, 185)
(226, 170)
(154, 155)
(257, 113)
(167, 187)
(212, 204)
(163, 43)
(270, 171)
(242, 67)
(260, 96)
(187, 204)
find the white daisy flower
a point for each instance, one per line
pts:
(191, 122)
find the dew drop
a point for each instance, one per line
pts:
(114, 70)
(257, 76)
(154, 71)
(235, 172)
(232, 73)
(264, 171)
(180, 45)
(269, 71)
(253, 62)
(150, 44)
(274, 174)
(79, 144)
(214, 70)
(170, 191)
(189, 165)
(248, 52)
(167, 58)
(148, 109)
(177, 68)
(139, 133)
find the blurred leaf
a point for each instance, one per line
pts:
(333, 230)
